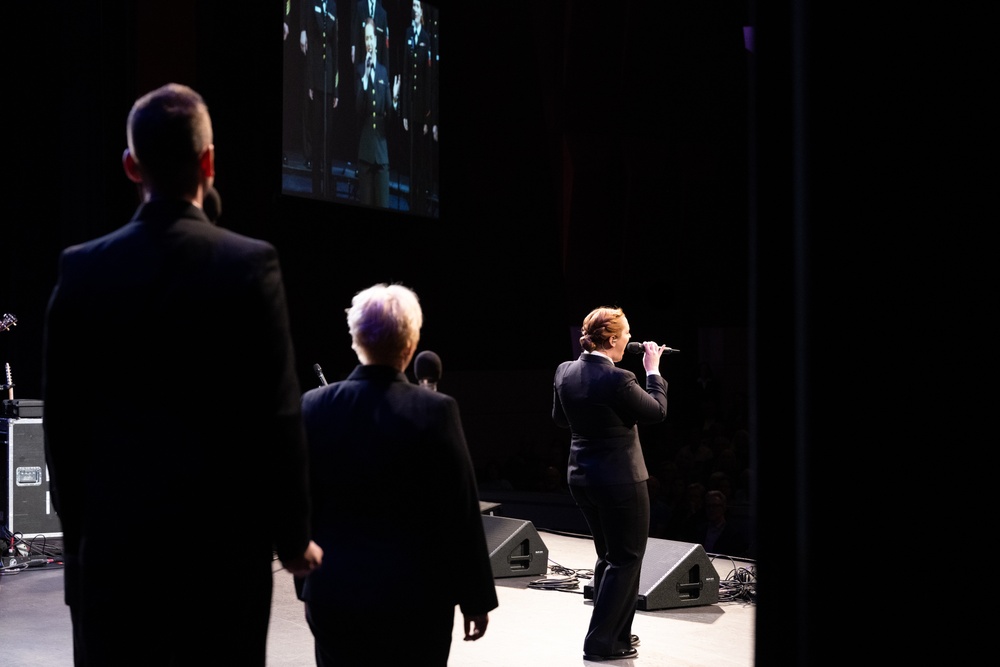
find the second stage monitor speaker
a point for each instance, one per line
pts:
(674, 574)
(516, 549)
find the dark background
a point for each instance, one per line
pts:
(634, 154)
(585, 161)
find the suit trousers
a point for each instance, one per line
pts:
(618, 517)
(147, 618)
(390, 635)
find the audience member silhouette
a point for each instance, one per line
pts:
(717, 531)
(660, 509)
(720, 481)
(491, 478)
(689, 513)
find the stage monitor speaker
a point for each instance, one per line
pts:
(674, 574)
(516, 549)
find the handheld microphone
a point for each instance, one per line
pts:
(636, 348)
(319, 374)
(427, 368)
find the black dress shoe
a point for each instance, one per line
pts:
(620, 655)
(634, 640)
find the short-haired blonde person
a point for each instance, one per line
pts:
(395, 503)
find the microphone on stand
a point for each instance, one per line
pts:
(427, 368)
(636, 348)
(319, 374)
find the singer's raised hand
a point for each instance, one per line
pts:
(651, 352)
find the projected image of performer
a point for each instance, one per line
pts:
(418, 105)
(377, 103)
(318, 41)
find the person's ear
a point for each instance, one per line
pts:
(207, 162)
(132, 169)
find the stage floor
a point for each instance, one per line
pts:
(532, 627)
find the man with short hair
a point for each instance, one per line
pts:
(173, 426)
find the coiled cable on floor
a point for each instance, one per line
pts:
(562, 579)
(740, 584)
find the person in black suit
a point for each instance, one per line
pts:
(601, 404)
(377, 103)
(418, 95)
(375, 442)
(318, 41)
(165, 478)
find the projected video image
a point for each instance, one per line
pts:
(360, 117)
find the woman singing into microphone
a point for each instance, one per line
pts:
(601, 405)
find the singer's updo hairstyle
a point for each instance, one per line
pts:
(384, 321)
(599, 326)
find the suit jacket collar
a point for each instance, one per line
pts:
(168, 210)
(596, 359)
(376, 373)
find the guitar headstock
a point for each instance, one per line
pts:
(7, 322)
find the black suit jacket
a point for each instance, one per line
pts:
(602, 404)
(172, 405)
(396, 507)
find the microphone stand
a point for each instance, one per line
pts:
(411, 102)
(323, 147)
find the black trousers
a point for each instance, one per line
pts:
(618, 517)
(389, 635)
(147, 618)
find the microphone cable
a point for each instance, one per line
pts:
(566, 580)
